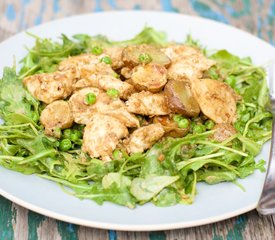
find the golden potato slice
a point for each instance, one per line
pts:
(150, 77)
(180, 98)
(216, 99)
(131, 55)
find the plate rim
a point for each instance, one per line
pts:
(134, 227)
(125, 227)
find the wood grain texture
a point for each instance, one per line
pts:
(254, 16)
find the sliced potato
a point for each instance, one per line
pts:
(131, 55)
(151, 77)
(170, 127)
(216, 99)
(180, 98)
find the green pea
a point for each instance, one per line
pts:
(144, 58)
(65, 145)
(209, 124)
(75, 135)
(97, 50)
(198, 129)
(177, 118)
(183, 123)
(90, 98)
(106, 60)
(113, 93)
(67, 133)
(117, 154)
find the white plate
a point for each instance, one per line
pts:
(213, 203)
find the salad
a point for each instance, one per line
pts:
(134, 121)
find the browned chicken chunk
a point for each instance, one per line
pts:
(216, 99)
(48, 87)
(143, 138)
(115, 53)
(187, 62)
(56, 115)
(147, 103)
(106, 82)
(101, 136)
(223, 131)
(82, 112)
(150, 77)
(85, 66)
(170, 127)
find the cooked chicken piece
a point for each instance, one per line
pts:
(108, 82)
(150, 77)
(187, 62)
(126, 72)
(120, 113)
(56, 115)
(147, 103)
(115, 53)
(48, 87)
(92, 81)
(170, 127)
(143, 138)
(98, 69)
(216, 99)
(85, 66)
(223, 131)
(82, 112)
(101, 136)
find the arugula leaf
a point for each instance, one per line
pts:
(14, 98)
(143, 189)
(115, 178)
(214, 177)
(167, 197)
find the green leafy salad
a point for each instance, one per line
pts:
(135, 121)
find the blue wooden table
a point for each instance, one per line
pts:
(255, 16)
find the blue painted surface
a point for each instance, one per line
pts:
(22, 23)
(259, 26)
(137, 7)
(56, 7)
(10, 12)
(67, 231)
(205, 11)
(38, 19)
(98, 7)
(112, 3)
(112, 235)
(167, 6)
